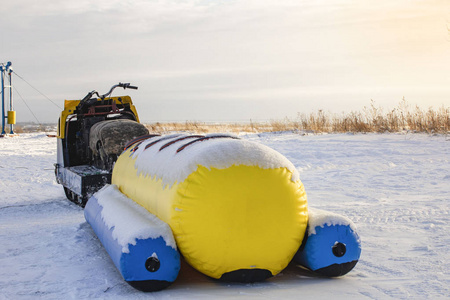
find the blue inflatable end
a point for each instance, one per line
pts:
(141, 246)
(331, 246)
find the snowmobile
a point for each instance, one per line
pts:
(91, 134)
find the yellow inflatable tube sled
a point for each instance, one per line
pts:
(237, 209)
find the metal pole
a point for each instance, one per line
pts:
(11, 97)
(3, 100)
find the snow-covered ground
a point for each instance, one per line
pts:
(395, 188)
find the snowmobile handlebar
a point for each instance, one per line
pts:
(88, 100)
(122, 85)
(94, 92)
(128, 86)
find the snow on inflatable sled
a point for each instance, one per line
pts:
(235, 210)
(141, 246)
(331, 247)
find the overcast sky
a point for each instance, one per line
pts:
(229, 60)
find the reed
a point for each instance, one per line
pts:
(371, 119)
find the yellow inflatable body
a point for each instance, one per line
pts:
(237, 209)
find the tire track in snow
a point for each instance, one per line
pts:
(395, 215)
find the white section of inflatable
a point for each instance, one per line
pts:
(172, 166)
(322, 218)
(128, 225)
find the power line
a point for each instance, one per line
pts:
(27, 106)
(38, 90)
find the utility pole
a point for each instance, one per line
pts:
(6, 69)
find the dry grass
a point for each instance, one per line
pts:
(371, 119)
(26, 128)
(201, 127)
